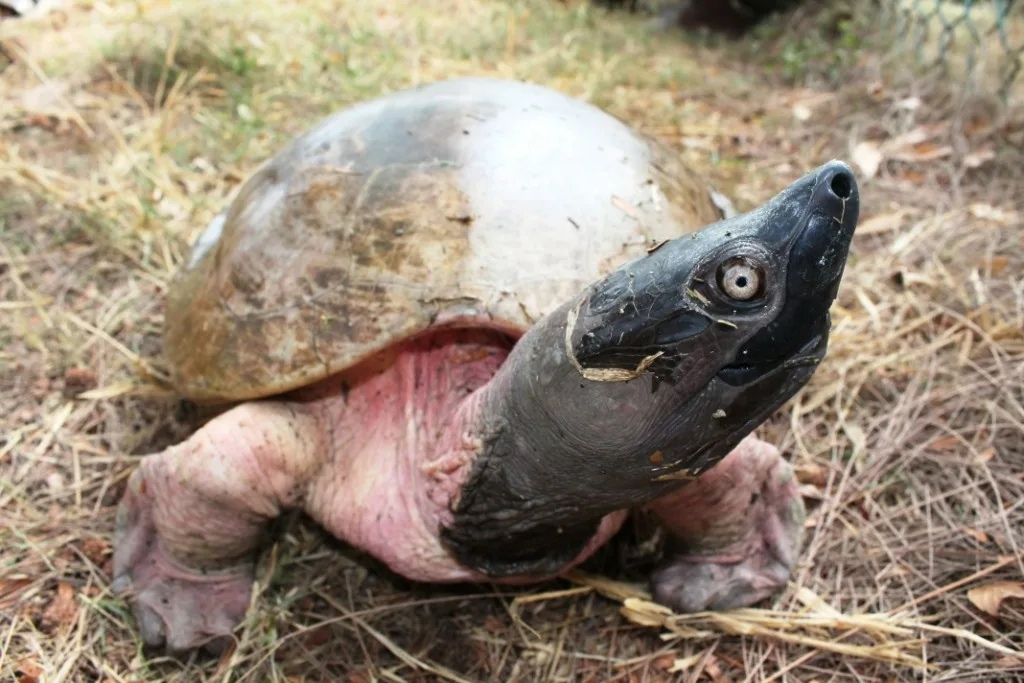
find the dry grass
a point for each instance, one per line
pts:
(125, 127)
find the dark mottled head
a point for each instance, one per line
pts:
(731, 320)
(738, 299)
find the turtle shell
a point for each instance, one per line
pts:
(478, 201)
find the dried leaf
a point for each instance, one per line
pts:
(989, 597)
(96, 549)
(993, 213)
(912, 177)
(909, 103)
(28, 671)
(664, 662)
(997, 264)
(684, 663)
(55, 482)
(62, 610)
(801, 112)
(883, 222)
(1010, 662)
(77, 380)
(811, 473)
(915, 136)
(921, 151)
(945, 444)
(979, 157)
(9, 589)
(714, 671)
(977, 534)
(868, 158)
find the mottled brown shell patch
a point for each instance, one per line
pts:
(345, 263)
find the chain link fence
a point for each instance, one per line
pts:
(979, 42)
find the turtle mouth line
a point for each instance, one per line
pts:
(738, 374)
(799, 361)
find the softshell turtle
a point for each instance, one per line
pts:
(468, 327)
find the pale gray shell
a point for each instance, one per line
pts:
(466, 199)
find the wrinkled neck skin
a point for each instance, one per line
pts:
(560, 452)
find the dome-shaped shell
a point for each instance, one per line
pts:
(464, 199)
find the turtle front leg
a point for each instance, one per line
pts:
(193, 516)
(734, 532)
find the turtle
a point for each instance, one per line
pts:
(469, 327)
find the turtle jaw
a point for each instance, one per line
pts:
(747, 374)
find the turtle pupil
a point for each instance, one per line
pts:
(741, 279)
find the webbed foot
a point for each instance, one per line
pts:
(177, 607)
(735, 532)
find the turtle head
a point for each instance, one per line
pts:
(653, 374)
(729, 321)
(741, 300)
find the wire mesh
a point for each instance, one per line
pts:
(980, 41)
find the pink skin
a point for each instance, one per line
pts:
(735, 532)
(378, 458)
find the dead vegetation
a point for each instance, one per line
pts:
(123, 128)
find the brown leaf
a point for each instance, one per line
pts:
(883, 222)
(946, 444)
(811, 473)
(998, 264)
(988, 597)
(28, 671)
(77, 380)
(10, 588)
(977, 534)
(921, 151)
(1010, 662)
(664, 662)
(62, 610)
(96, 549)
(916, 136)
(714, 671)
(317, 636)
(914, 177)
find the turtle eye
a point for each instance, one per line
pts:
(741, 279)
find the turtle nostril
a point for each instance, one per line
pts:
(841, 185)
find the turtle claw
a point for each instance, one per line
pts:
(178, 609)
(180, 614)
(694, 584)
(736, 533)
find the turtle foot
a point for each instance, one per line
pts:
(735, 533)
(177, 607)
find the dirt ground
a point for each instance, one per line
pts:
(125, 126)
